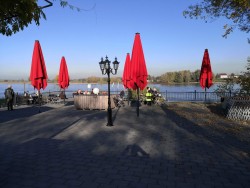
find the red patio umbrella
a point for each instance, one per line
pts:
(63, 78)
(38, 73)
(206, 75)
(126, 72)
(139, 72)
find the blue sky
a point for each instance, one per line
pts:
(170, 42)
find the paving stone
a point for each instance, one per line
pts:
(65, 147)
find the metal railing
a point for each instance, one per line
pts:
(196, 96)
(172, 96)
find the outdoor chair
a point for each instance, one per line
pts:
(60, 100)
(119, 102)
(45, 100)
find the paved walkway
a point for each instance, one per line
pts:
(64, 147)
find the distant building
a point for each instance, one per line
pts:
(223, 75)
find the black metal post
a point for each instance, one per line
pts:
(110, 121)
(166, 95)
(64, 96)
(205, 94)
(106, 69)
(138, 102)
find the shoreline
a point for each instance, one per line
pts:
(149, 83)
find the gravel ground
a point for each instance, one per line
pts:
(212, 117)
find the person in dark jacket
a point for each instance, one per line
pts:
(9, 96)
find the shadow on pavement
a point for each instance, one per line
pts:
(217, 109)
(17, 113)
(69, 103)
(89, 154)
(134, 150)
(59, 163)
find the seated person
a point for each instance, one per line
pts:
(122, 93)
(155, 94)
(26, 94)
(104, 93)
(62, 95)
(79, 92)
(149, 98)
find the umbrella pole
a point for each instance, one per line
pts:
(64, 96)
(205, 94)
(39, 102)
(128, 96)
(137, 109)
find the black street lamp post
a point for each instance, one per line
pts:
(106, 69)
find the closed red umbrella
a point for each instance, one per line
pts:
(127, 72)
(206, 74)
(63, 78)
(38, 73)
(139, 72)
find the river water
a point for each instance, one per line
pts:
(20, 87)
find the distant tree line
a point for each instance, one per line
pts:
(100, 80)
(184, 76)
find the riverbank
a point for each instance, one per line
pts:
(76, 82)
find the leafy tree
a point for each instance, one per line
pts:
(92, 79)
(244, 80)
(217, 76)
(115, 80)
(236, 11)
(15, 15)
(178, 77)
(167, 77)
(150, 77)
(226, 87)
(101, 81)
(171, 76)
(163, 78)
(186, 76)
(195, 76)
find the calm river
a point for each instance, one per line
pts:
(20, 88)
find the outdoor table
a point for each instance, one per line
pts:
(25, 100)
(34, 99)
(93, 102)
